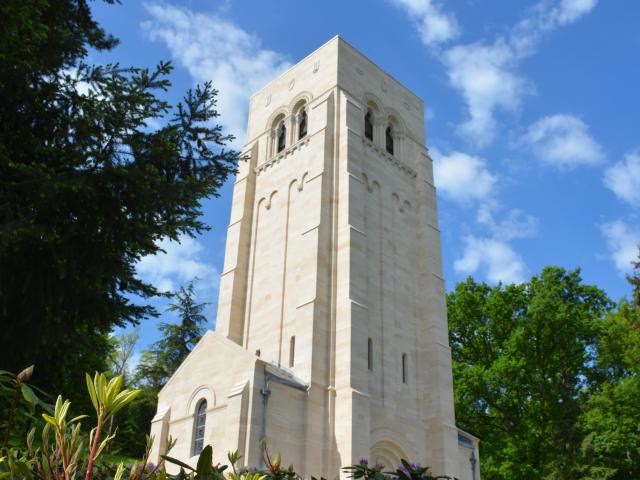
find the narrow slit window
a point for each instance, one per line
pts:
(370, 354)
(302, 125)
(198, 427)
(389, 139)
(282, 133)
(368, 126)
(405, 375)
(292, 351)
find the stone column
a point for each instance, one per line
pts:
(379, 126)
(292, 121)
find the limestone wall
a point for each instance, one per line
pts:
(332, 272)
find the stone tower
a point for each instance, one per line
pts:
(331, 338)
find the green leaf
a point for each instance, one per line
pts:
(49, 419)
(29, 395)
(177, 462)
(79, 417)
(205, 460)
(92, 392)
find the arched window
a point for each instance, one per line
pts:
(389, 139)
(302, 124)
(405, 367)
(198, 427)
(281, 139)
(368, 126)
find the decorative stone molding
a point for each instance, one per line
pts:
(396, 162)
(282, 155)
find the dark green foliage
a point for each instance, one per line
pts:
(523, 364)
(19, 402)
(86, 188)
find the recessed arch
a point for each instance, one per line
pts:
(371, 184)
(370, 100)
(202, 392)
(300, 99)
(388, 451)
(395, 441)
(394, 118)
(276, 116)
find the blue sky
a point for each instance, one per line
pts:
(532, 118)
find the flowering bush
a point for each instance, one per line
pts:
(404, 471)
(71, 454)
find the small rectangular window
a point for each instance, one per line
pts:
(292, 351)
(370, 354)
(405, 375)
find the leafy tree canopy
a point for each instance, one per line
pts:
(523, 362)
(611, 418)
(87, 188)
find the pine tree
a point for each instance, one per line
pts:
(87, 187)
(165, 356)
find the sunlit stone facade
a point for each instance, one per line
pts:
(331, 338)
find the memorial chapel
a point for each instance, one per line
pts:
(331, 334)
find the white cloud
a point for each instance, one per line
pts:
(462, 178)
(179, 264)
(212, 48)
(623, 179)
(571, 10)
(623, 241)
(516, 224)
(496, 257)
(545, 17)
(433, 25)
(486, 72)
(563, 141)
(484, 75)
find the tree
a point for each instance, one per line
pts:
(611, 418)
(87, 188)
(523, 359)
(122, 351)
(157, 364)
(165, 356)
(634, 280)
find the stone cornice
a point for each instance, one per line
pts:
(282, 155)
(396, 162)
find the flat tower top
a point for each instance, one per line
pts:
(336, 64)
